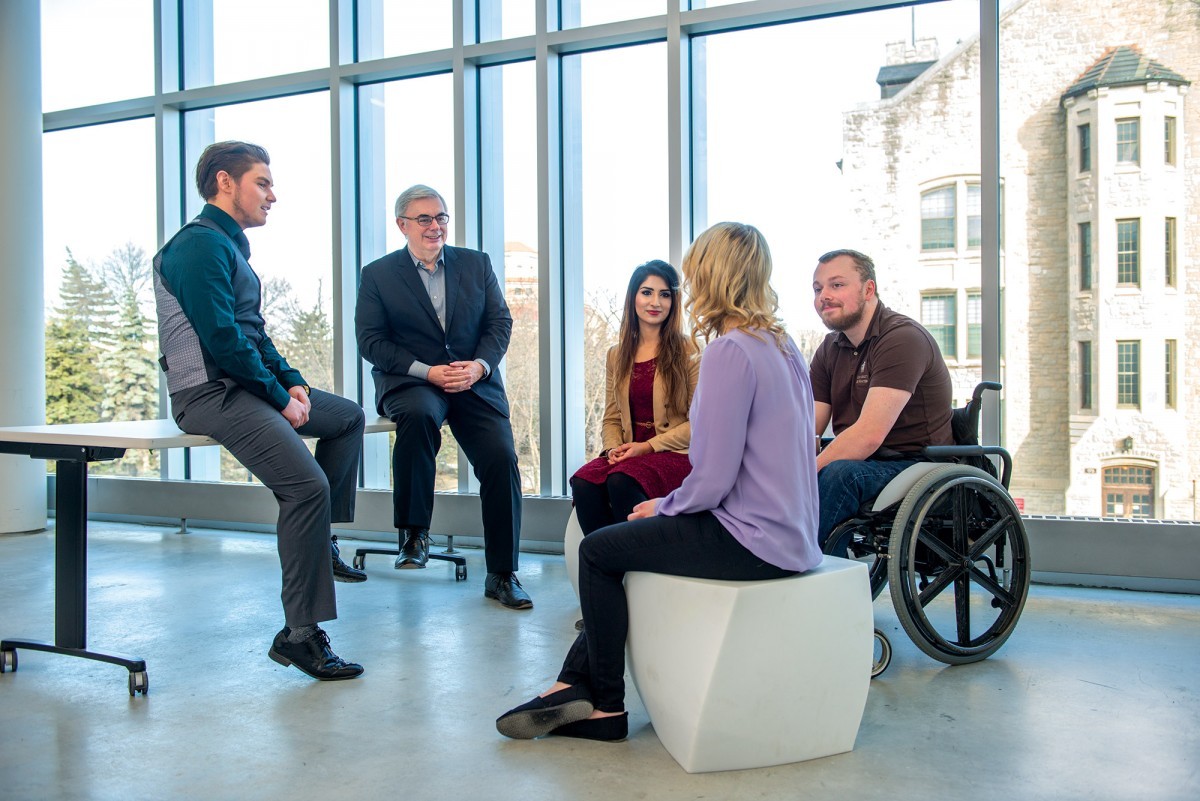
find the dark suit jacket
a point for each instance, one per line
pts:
(396, 324)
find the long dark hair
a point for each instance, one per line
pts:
(675, 351)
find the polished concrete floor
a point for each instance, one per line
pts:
(1095, 696)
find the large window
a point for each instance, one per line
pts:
(510, 226)
(114, 39)
(1129, 374)
(1128, 140)
(101, 337)
(1129, 268)
(232, 40)
(622, 202)
(575, 144)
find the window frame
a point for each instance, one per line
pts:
(1169, 140)
(945, 332)
(1170, 373)
(1129, 373)
(1084, 141)
(1086, 258)
(1086, 377)
(1128, 140)
(1129, 259)
(1170, 251)
(1110, 484)
(928, 244)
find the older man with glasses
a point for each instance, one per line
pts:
(432, 321)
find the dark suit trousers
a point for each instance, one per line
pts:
(312, 492)
(485, 436)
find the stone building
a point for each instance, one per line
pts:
(1099, 308)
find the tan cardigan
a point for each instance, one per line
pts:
(674, 432)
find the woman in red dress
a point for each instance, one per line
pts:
(650, 376)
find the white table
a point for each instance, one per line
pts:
(73, 446)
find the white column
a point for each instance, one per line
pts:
(22, 344)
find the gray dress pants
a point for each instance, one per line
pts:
(312, 492)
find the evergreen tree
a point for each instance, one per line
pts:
(309, 343)
(74, 332)
(73, 387)
(129, 366)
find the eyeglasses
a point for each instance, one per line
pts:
(424, 220)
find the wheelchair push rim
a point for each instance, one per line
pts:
(958, 530)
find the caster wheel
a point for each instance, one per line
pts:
(8, 661)
(358, 561)
(883, 654)
(460, 573)
(139, 682)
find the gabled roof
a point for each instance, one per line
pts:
(1124, 65)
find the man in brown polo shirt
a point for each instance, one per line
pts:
(881, 379)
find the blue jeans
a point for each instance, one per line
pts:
(843, 486)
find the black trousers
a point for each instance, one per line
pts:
(485, 435)
(600, 505)
(312, 492)
(695, 545)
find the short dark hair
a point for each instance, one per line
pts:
(231, 157)
(862, 262)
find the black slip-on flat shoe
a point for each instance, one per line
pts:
(542, 715)
(611, 729)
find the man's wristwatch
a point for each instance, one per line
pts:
(307, 389)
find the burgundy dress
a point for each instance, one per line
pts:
(658, 472)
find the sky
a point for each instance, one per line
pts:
(775, 98)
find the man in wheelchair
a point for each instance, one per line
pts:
(881, 379)
(947, 537)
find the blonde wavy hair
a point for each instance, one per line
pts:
(728, 272)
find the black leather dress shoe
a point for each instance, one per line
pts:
(414, 550)
(544, 715)
(313, 656)
(343, 571)
(505, 588)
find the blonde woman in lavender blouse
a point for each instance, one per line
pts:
(748, 509)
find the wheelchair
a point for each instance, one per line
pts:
(948, 538)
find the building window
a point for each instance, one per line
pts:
(1169, 140)
(1085, 255)
(1129, 374)
(1128, 492)
(1128, 252)
(1085, 147)
(938, 315)
(974, 216)
(1128, 136)
(1169, 251)
(1085, 375)
(974, 325)
(937, 219)
(1169, 373)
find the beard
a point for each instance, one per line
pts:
(848, 319)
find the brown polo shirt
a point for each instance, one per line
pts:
(899, 353)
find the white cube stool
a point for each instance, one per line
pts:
(752, 674)
(572, 536)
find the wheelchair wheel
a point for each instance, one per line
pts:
(855, 539)
(959, 530)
